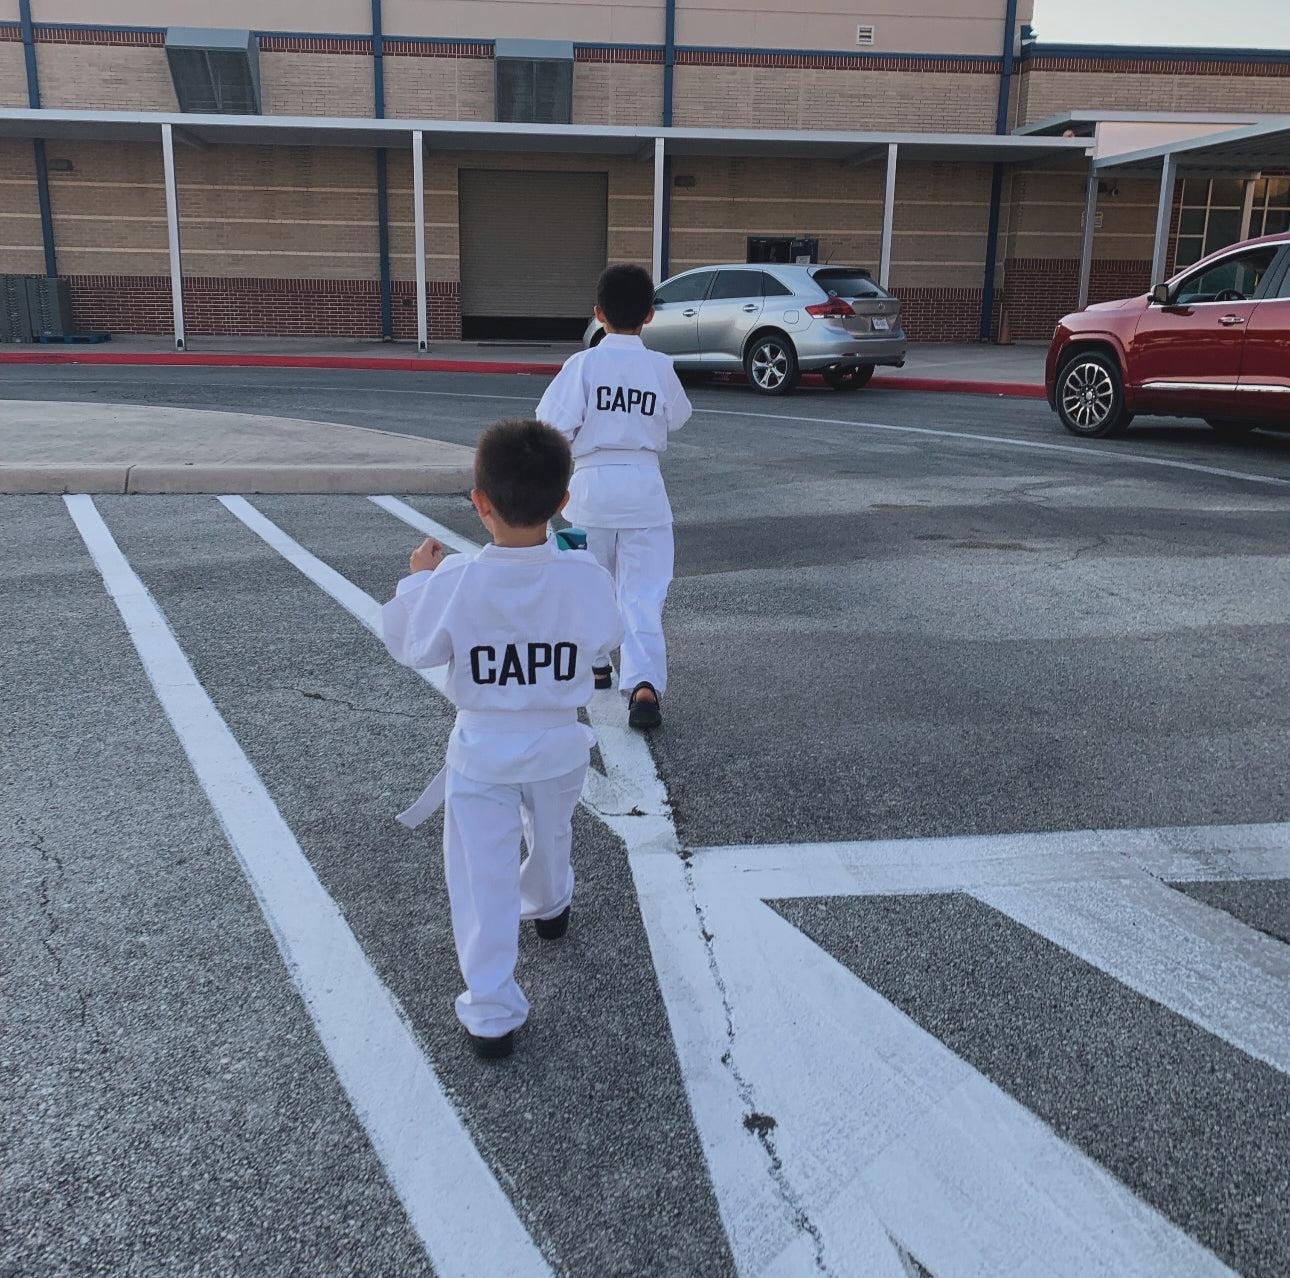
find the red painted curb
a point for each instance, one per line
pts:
(190, 359)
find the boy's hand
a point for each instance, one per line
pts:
(426, 557)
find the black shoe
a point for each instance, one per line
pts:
(643, 714)
(553, 929)
(604, 676)
(493, 1049)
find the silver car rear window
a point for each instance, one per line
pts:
(848, 284)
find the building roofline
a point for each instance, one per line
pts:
(1275, 129)
(1073, 119)
(1153, 53)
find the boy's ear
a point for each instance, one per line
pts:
(563, 503)
(647, 318)
(599, 314)
(479, 499)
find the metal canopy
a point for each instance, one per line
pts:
(460, 135)
(1247, 150)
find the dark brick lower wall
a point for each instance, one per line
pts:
(222, 306)
(942, 314)
(1038, 291)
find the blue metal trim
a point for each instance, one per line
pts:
(669, 62)
(38, 145)
(996, 177)
(382, 176)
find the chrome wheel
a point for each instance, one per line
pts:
(1088, 395)
(771, 365)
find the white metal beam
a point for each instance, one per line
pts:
(1086, 239)
(172, 234)
(888, 216)
(1247, 208)
(419, 233)
(660, 171)
(1164, 212)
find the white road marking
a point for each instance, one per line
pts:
(924, 1153)
(1102, 453)
(464, 1220)
(422, 523)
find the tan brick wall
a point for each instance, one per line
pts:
(939, 226)
(316, 84)
(110, 209)
(791, 98)
(21, 250)
(104, 78)
(617, 93)
(1052, 92)
(439, 88)
(13, 75)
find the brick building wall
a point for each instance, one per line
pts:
(21, 247)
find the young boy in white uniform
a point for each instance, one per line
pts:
(617, 403)
(518, 627)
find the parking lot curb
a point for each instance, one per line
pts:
(106, 478)
(191, 359)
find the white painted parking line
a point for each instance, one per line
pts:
(423, 523)
(463, 1218)
(1104, 454)
(838, 1134)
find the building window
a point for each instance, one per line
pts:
(215, 72)
(533, 81)
(1270, 211)
(1211, 217)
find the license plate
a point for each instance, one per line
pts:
(880, 324)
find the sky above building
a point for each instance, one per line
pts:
(1235, 24)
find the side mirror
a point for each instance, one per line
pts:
(1160, 295)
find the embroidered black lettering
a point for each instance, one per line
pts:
(619, 402)
(536, 651)
(602, 398)
(566, 661)
(489, 654)
(634, 398)
(649, 401)
(512, 668)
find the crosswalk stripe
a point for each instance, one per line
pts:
(464, 1219)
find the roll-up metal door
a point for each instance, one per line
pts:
(532, 247)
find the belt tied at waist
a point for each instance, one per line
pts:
(616, 457)
(431, 798)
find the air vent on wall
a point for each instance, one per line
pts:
(864, 34)
(217, 72)
(533, 81)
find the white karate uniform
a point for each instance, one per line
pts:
(617, 403)
(517, 629)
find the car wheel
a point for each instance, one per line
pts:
(1230, 430)
(853, 378)
(1090, 396)
(599, 337)
(771, 365)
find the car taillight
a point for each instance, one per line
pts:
(834, 308)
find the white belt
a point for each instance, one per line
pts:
(616, 457)
(431, 798)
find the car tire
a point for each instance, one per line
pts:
(599, 337)
(1090, 396)
(770, 365)
(1229, 429)
(847, 379)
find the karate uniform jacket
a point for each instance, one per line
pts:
(616, 403)
(518, 628)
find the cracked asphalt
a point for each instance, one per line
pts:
(874, 632)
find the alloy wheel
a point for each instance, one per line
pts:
(1088, 394)
(770, 366)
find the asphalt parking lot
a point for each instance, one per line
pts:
(929, 629)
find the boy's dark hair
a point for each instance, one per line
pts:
(625, 293)
(523, 468)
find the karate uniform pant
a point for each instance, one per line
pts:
(491, 891)
(640, 561)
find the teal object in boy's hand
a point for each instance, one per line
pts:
(571, 539)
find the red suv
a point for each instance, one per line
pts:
(1214, 342)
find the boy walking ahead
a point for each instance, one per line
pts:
(617, 403)
(517, 627)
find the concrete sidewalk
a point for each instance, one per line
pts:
(976, 367)
(51, 447)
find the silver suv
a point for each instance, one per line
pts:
(775, 323)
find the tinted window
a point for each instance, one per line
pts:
(736, 284)
(689, 288)
(773, 288)
(1232, 279)
(848, 284)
